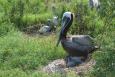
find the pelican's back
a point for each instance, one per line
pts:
(78, 45)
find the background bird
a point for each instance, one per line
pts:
(94, 4)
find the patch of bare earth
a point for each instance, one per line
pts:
(59, 66)
(34, 30)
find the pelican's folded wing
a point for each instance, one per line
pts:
(84, 40)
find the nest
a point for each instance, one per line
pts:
(59, 66)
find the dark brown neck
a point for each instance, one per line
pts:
(64, 33)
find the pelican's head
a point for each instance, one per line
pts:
(66, 23)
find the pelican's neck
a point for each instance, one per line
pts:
(65, 32)
(66, 28)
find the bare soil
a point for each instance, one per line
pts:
(59, 66)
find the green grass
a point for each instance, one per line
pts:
(19, 73)
(105, 66)
(30, 19)
(24, 53)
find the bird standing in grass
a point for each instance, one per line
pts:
(78, 47)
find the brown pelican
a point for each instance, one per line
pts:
(75, 45)
(50, 26)
(55, 20)
(46, 28)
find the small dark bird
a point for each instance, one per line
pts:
(74, 45)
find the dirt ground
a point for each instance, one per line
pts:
(59, 66)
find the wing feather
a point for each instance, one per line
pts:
(84, 40)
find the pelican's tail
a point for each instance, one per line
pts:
(94, 48)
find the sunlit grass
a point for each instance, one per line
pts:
(28, 53)
(29, 19)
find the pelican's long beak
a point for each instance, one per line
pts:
(60, 34)
(64, 24)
